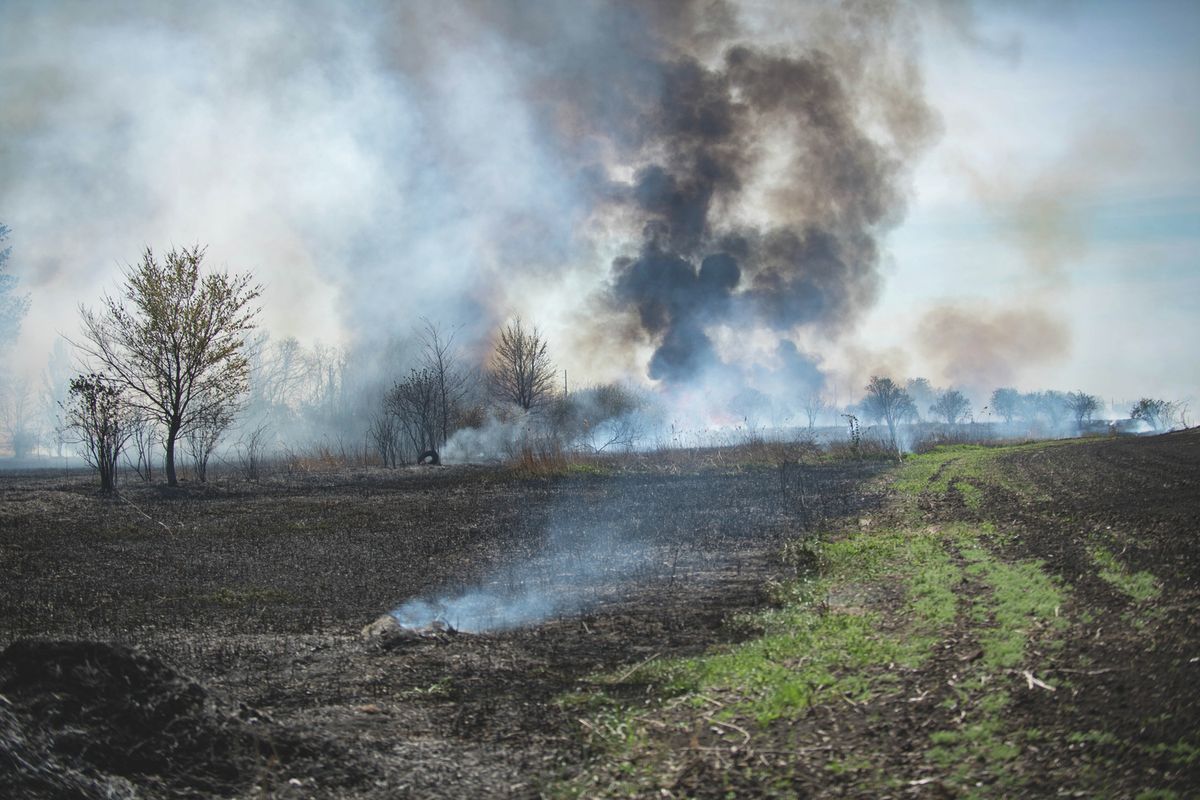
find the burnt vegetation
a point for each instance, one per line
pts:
(262, 589)
(205, 642)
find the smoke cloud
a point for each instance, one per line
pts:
(981, 348)
(763, 193)
(682, 166)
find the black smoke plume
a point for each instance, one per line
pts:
(763, 176)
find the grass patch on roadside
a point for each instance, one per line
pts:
(864, 605)
(811, 651)
(1140, 587)
(1023, 601)
(876, 600)
(967, 468)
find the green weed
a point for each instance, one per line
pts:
(1141, 587)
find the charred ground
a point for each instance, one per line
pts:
(214, 632)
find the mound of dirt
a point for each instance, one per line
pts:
(90, 719)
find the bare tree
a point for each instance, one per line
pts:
(1083, 406)
(887, 402)
(12, 305)
(951, 405)
(203, 435)
(452, 382)
(814, 405)
(250, 450)
(175, 339)
(96, 411)
(145, 438)
(520, 370)
(384, 432)
(414, 401)
(19, 418)
(277, 371)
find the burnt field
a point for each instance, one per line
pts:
(259, 592)
(669, 637)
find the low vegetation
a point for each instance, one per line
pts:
(945, 617)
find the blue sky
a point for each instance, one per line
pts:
(1067, 179)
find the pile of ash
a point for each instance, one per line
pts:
(387, 633)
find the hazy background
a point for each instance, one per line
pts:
(1012, 189)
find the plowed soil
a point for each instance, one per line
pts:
(206, 641)
(258, 594)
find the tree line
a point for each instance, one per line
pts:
(174, 360)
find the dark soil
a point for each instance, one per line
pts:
(1124, 719)
(1134, 670)
(257, 593)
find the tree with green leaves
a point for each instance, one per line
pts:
(1083, 406)
(951, 405)
(1155, 412)
(1007, 403)
(174, 339)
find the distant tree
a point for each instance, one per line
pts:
(921, 391)
(97, 413)
(951, 405)
(1006, 403)
(12, 305)
(1049, 405)
(887, 402)
(175, 340)
(278, 371)
(1083, 406)
(814, 405)
(52, 395)
(19, 417)
(453, 382)
(202, 436)
(1155, 413)
(751, 405)
(520, 371)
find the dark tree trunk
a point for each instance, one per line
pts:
(172, 432)
(108, 481)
